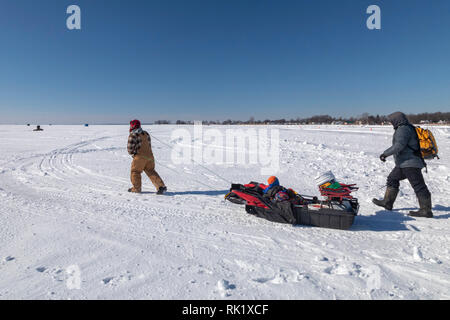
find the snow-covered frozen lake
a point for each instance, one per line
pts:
(66, 215)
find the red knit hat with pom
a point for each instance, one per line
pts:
(135, 124)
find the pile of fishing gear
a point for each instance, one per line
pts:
(275, 203)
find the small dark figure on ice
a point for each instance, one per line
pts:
(408, 165)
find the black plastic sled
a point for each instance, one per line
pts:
(334, 213)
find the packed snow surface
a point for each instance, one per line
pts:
(70, 230)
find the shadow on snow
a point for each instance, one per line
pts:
(382, 221)
(392, 220)
(435, 208)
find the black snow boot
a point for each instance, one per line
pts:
(161, 190)
(389, 199)
(425, 207)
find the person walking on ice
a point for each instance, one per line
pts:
(408, 165)
(139, 147)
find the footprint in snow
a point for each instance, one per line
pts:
(115, 281)
(224, 286)
(262, 280)
(418, 257)
(417, 254)
(107, 280)
(344, 270)
(57, 274)
(278, 279)
(435, 260)
(321, 259)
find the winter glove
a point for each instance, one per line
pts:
(383, 158)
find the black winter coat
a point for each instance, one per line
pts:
(405, 144)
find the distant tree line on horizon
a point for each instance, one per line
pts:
(364, 119)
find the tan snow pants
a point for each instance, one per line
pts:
(147, 165)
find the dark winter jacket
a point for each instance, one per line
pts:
(405, 144)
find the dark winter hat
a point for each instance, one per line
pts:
(398, 119)
(135, 124)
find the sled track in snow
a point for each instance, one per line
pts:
(70, 205)
(62, 158)
(70, 181)
(139, 212)
(59, 164)
(130, 220)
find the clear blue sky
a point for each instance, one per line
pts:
(220, 59)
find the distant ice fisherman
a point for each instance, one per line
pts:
(139, 147)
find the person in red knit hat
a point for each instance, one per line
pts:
(139, 147)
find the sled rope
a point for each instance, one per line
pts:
(178, 173)
(200, 165)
